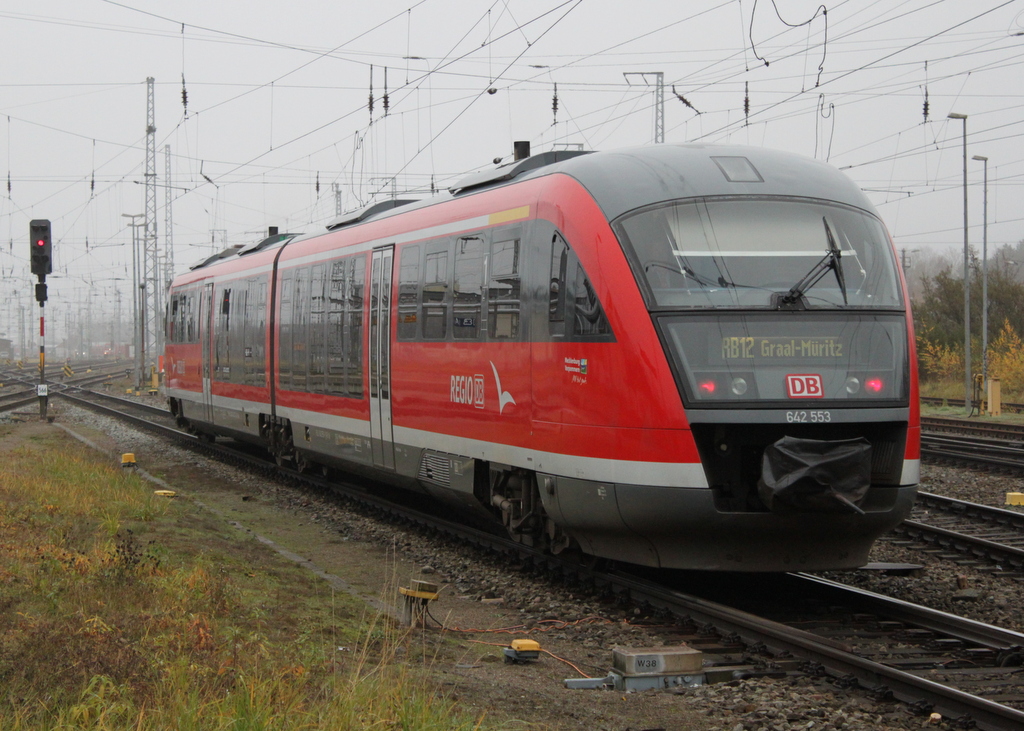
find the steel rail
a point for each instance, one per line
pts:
(959, 402)
(18, 404)
(1010, 432)
(984, 453)
(986, 513)
(127, 403)
(972, 545)
(905, 686)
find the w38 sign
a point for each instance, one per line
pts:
(804, 385)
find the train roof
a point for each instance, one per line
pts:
(623, 180)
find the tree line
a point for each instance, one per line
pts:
(937, 299)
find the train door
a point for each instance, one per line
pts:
(379, 348)
(206, 345)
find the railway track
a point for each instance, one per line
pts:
(968, 533)
(935, 661)
(1009, 432)
(959, 402)
(24, 393)
(18, 399)
(974, 443)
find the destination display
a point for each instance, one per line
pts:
(776, 357)
(749, 347)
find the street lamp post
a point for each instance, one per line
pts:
(967, 281)
(984, 276)
(139, 323)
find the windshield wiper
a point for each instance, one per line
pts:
(688, 272)
(831, 260)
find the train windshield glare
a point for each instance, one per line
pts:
(743, 252)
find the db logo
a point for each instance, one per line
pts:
(804, 385)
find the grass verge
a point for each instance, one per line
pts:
(122, 609)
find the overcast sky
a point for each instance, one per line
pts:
(278, 101)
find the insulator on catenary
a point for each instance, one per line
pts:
(371, 93)
(554, 106)
(926, 105)
(385, 99)
(746, 102)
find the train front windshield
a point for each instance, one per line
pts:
(741, 252)
(805, 299)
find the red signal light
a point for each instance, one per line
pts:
(874, 384)
(41, 242)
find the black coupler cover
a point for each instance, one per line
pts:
(815, 476)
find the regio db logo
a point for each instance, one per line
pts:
(468, 390)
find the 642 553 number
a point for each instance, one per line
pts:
(808, 417)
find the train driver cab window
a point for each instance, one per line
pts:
(574, 310)
(434, 295)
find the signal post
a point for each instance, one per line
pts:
(41, 260)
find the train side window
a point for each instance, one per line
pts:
(556, 285)
(249, 332)
(317, 323)
(504, 290)
(184, 304)
(190, 326)
(336, 298)
(408, 290)
(574, 310)
(236, 346)
(588, 316)
(221, 335)
(284, 347)
(255, 336)
(468, 289)
(354, 332)
(434, 294)
(300, 329)
(260, 348)
(171, 320)
(180, 322)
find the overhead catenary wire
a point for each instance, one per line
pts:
(580, 120)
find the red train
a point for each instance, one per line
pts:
(675, 356)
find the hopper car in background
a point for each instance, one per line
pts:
(692, 357)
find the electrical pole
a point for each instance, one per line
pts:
(337, 199)
(659, 100)
(150, 286)
(138, 294)
(168, 221)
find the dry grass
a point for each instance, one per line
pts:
(123, 610)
